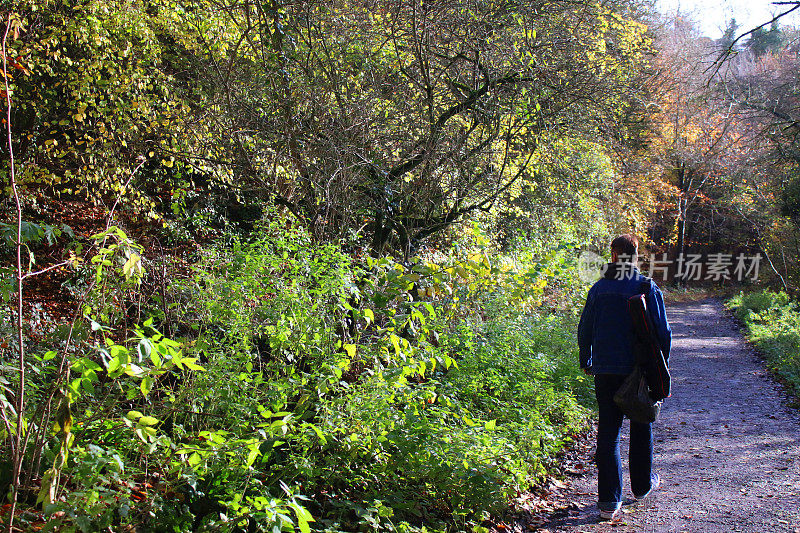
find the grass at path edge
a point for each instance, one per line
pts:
(772, 325)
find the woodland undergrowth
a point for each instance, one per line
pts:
(279, 384)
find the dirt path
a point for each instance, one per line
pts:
(727, 447)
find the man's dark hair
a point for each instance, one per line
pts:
(626, 246)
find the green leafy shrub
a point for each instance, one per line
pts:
(772, 320)
(759, 302)
(304, 388)
(356, 384)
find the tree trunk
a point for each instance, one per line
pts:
(682, 208)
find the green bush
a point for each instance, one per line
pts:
(758, 302)
(304, 388)
(772, 320)
(402, 394)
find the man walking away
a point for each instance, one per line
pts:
(605, 341)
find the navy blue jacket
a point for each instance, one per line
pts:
(605, 331)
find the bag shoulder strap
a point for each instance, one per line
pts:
(644, 286)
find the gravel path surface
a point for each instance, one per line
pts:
(727, 446)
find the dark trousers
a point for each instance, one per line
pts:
(609, 467)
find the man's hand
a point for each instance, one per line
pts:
(588, 371)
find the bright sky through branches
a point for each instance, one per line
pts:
(712, 15)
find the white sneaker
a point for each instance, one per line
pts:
(655, 482)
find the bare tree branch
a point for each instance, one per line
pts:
(717, 64)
